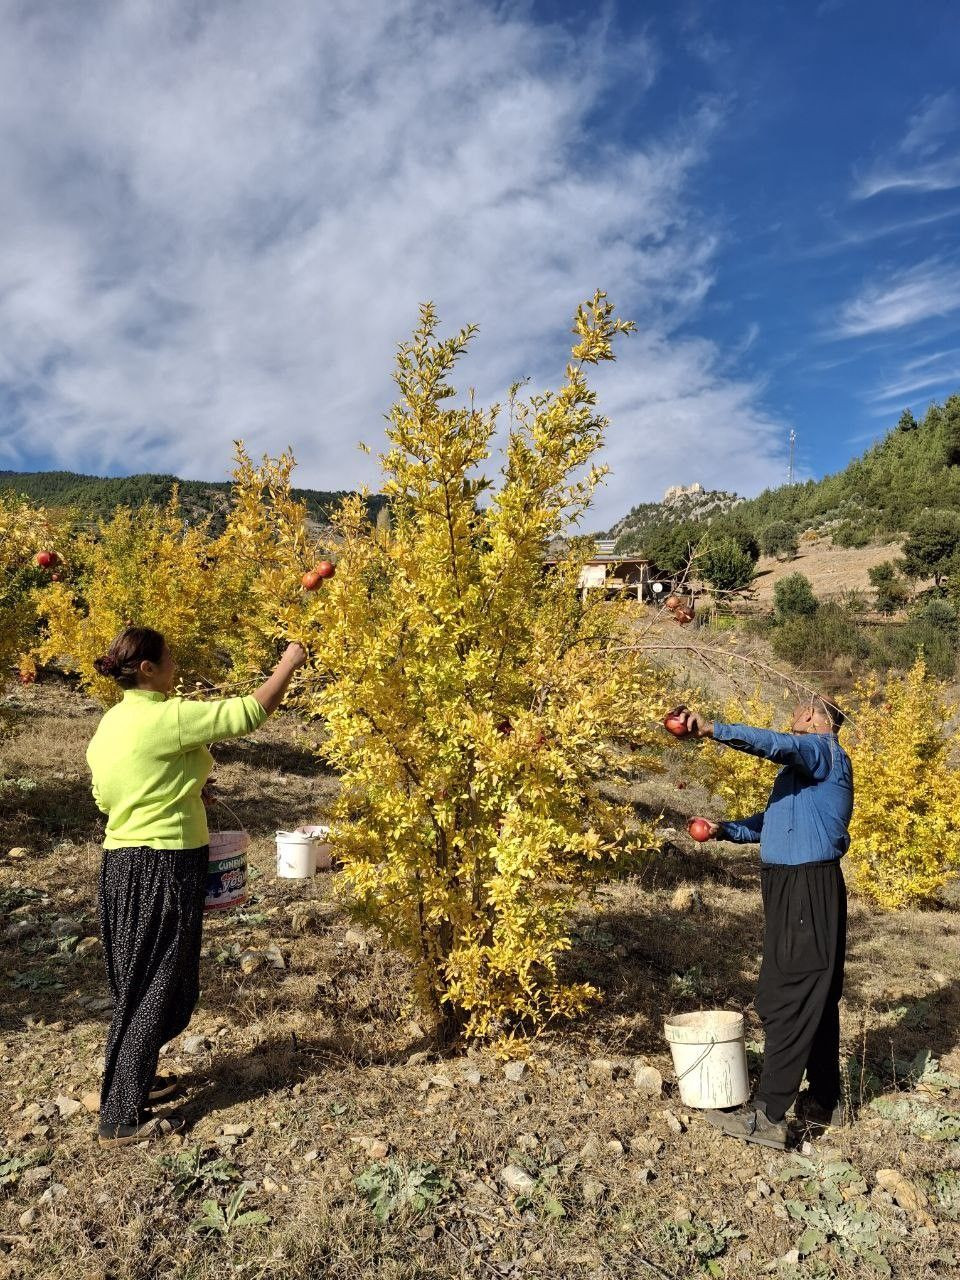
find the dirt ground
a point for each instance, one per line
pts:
(832, 570)
(318, 1105)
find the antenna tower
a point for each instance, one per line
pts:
(793, 445)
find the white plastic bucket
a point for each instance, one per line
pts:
(323, 846)
(226, 870)
(709, 1057)
(296, 855)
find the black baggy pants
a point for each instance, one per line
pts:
(151, 919)
(801, 982)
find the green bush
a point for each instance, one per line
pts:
(779, 539)
(726, 566)
(900, 645)
(937, 611)
(932, 543)
(891, 592)
(793, 597)
(850, 534)
(816, 641)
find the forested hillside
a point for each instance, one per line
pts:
(913, 471)
(102, 495)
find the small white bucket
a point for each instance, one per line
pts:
(296, 855)
(709, 1057)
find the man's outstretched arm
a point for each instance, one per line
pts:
(806, 751)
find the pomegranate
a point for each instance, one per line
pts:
(676, 723)
(700, 829)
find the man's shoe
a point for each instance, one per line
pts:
(811, 1114)
(163, 1087)
(750, 1124)
(146, 1128)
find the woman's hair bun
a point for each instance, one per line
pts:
(107, 665)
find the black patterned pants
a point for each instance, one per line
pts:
(151, 919)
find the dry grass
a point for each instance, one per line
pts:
(832, 570)
(316, 1060)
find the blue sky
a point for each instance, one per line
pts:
(217, 219)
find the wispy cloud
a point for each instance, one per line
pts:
(902, 298)
(219, 220)
(927, 158)
(935, 371)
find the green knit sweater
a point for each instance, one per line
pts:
(149, 761)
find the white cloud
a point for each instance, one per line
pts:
(927, 158)
(938, 370)
(218, 221)
(930, 289)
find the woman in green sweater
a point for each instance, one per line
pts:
(149, 762)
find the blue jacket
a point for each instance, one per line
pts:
(809, 809)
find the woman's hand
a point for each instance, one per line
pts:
(270, 694)
(294, 656)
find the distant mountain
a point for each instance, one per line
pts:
(915, 468)
(680, 504)
(97, 496)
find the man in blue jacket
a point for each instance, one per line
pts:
(803, 834)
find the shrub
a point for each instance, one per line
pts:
(471, 700)
(817, 642)
(725, 565)
(214, 599)
(851, 534)
(891, 592)
(793, 597)
(779, 539)
(932, 543)
(938, 611)
(24, 530)
(900, 646)
(905, 833)
(740, 782)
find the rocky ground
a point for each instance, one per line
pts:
(327, 1137)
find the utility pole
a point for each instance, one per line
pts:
(793, 444)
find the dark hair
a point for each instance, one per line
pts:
(132, 646)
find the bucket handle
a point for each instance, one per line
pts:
(696, 1064)
(223, 805)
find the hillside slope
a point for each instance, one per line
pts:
(915, 468)
(832, 570)
(96, 496)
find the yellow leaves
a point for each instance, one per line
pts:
(24, 530)
(905, 834)
(217, 599)
(741, 782)
(470, 700)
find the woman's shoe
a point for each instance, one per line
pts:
(146, 1128)
(163, 1087)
